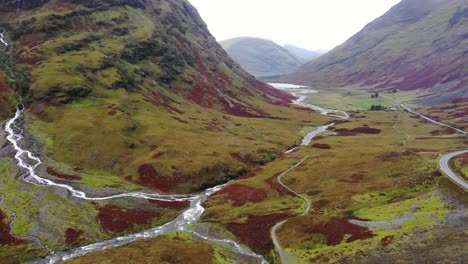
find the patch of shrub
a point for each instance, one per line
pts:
(67, 47)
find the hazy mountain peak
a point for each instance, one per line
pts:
(261, 57)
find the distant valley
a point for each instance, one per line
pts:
(265, 59)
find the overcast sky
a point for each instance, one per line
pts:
(311, 24)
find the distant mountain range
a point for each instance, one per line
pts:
(418, 44)
(264, 58)
(303, 54)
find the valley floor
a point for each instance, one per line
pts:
(377, 195)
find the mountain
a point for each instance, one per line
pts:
(261, 57)
(418, 44)
(304, 54)
(131, 89)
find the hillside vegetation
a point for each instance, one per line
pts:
(418, 44)
(127, 88)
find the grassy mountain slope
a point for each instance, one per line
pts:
(303, 54)
(261, 57)
(138, 93)
(416, 45)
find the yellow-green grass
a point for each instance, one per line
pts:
(46, 213)
(459, 165)
(396, 221)
(355, 168)
(59, 70)
(84, 135)
(347, 98)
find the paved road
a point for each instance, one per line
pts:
(423, 116)
(444, 161)
(278, 246)
(444, 166)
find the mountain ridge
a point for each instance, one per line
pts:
(261, 57)
(305, 54)
(415, 45)
(150, 73)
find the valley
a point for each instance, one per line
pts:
(129, 135)
(408, 192)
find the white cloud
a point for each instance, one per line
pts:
(312, 24)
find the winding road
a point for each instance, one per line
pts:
(445, 167)
(302, 95)
(279, 248)
(444, 161)
(423, 116)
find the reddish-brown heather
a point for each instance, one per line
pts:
(5, 236)
(355, 178)
(366, 130)
(357, 130)
(158, 155)
(251, 174)
(344, 132)
(246, 159)
(180, 120)
(255, 232)
(64, 176)
(116, 219)
(242, 194)
(72, 236)
(150, 177)
(176, 205)
(421, 150)
(336, 230)
(321, 146)
(275, 185)
(153, 147)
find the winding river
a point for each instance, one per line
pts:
(301, 93)
(2, 39)
(29, 162)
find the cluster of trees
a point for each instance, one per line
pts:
(265, 158)
(376, 95)
(170, 59)
(377, 108)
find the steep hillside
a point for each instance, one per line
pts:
(261, 57)
(136, 90)
(303, 54)
(418, 44)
